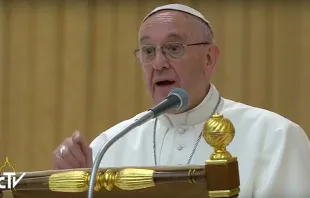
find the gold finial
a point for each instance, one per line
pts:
(218, 133)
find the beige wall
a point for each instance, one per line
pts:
(70, 66)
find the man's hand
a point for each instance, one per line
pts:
(74, 152)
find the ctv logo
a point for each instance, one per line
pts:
(8, 180)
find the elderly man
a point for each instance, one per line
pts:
(177, 49)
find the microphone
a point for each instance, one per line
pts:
(177, 99)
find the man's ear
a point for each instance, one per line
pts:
(212, 57)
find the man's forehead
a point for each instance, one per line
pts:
(181, 8)
(176, 15)
(168, 24)
(175, 36)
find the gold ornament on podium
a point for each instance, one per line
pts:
(218, 133)
(126, 179)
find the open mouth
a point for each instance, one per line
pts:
(165, 83)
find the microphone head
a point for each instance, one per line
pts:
(182, 95)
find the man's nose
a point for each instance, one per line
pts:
(160, 61)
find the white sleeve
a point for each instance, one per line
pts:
(284, 166)
(110, 157)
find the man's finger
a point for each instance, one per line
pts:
(80, 139)
(59, 163)
(78, 153)
(68, 157)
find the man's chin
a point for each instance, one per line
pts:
(158, 100)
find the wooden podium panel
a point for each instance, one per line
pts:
(163, 191)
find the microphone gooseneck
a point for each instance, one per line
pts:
(176, 100)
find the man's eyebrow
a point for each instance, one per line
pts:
(143, 38)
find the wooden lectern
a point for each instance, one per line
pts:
(219, 177)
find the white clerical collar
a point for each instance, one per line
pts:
(199, 114)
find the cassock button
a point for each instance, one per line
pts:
(179, 147)
(182, 131)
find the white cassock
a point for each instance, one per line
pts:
(273, 152)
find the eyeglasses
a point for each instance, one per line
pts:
(171, 50)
